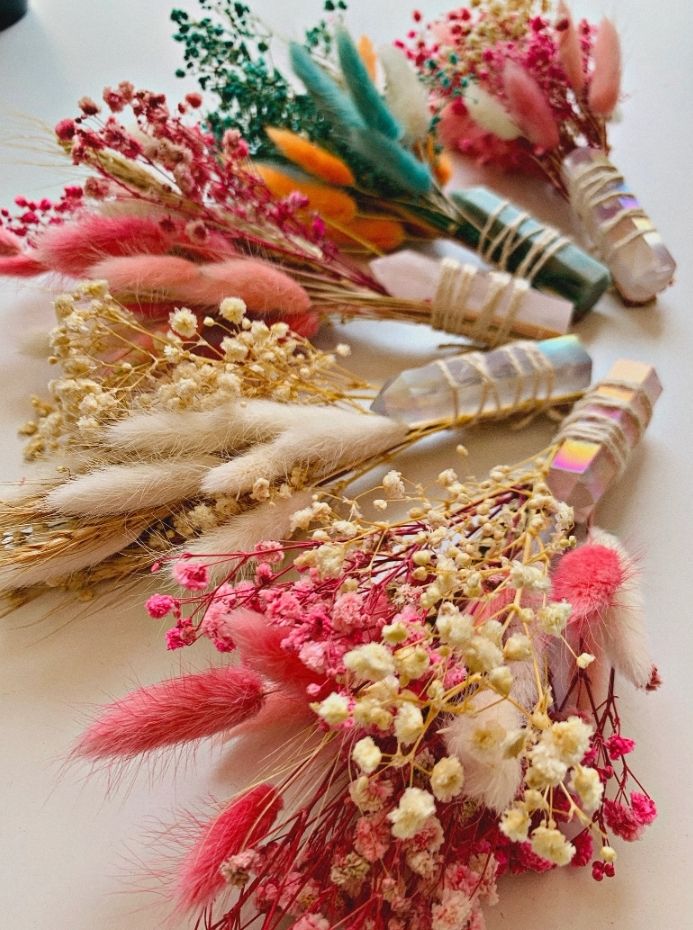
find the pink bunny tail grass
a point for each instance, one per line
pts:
(263, 287)
(459, 133)
(605, 85)
(22, 265)
(172, 712)
(599, 580)
(569, 50)
(145, 274)
(71, 248)
(529, 107)
(260, 648)
(305, 324)
(588, 578)
(9, 243)
(245, 822)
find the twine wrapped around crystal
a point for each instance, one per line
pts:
(622, 232)
(592, 420)
(596, 439)
(603, 183)
(543, 243)
(521, 377)
(497, 313)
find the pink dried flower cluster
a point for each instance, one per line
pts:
(169, 216)
(398, 637)
(516, 87)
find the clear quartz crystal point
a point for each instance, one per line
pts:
(520, 377)
(627, 240)
(597, 438)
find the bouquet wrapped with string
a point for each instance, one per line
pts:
(170, 218)
(383, 142)
(207, 434)
(524, 87)
(434, 698)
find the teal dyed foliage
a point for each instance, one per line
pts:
(227, 50)
(363, 91)
(331, 101)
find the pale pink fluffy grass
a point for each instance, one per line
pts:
(173, 712)
(245, 822)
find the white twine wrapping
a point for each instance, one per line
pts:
(450, 303)
(543, 243)
(532, 389)
(592, 420)
(599, 184)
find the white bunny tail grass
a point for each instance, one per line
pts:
(227, 426)
(322, 439)
(127, 488)
(492, 775)
(405, 94)
(625, 639)
(269, 520)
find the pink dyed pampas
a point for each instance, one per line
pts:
(529, 107)
(606, 78)
(260, 647)
(245, 822)
(173, 712)
(599, 581)
(262, 287)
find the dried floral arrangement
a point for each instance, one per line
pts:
(170, 217)
(203, 434)
(384, 141)
(522, 86)
(142, 426)
(445, 689)
(430, 699)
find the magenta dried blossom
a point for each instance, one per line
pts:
(166, 190)
(513, 84)
(439, 759)
(524, 87)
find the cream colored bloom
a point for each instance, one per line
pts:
(550, 844)
(393, 485)
(501, 679)
(584, 659)
(447, 778)
(367, 755)
(570, 738)
(410, 816)
(454, 629)
(334, 709)
(531, 577)
(588, 786)
(372, 661)
(517, 647)
(515, 823)
(183, 322)
(481, 655)
(232, 309)
(409, 724)
(554, 617)
(412, 661)
(607, 854)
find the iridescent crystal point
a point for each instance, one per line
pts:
(519, 377)
(624, 235)
(618, 409)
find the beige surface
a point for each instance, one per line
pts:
(69, 850)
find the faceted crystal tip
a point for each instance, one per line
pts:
(623, 233)
(520, 377)
(584, 466)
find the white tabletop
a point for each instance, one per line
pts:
(75, 857)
